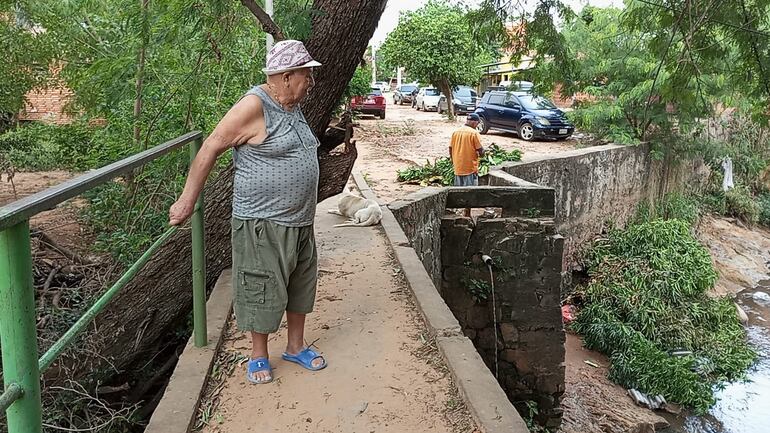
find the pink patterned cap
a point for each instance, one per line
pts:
(287, 56)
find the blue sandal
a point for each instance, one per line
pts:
(257, 365)
(305, 358)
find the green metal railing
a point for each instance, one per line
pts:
(18, 333)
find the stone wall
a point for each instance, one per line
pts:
(527, 255)
(600, 184)
(419, 215)
(529, 344)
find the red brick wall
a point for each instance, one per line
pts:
(565, 101)
(47, 105)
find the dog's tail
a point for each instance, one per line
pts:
(371, 221)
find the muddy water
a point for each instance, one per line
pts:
(743, 407)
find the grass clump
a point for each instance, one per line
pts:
(764, 209)
(673, 206)
(647, 298)
(441, 172)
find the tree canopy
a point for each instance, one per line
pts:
(436, 46)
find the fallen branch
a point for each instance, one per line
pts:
(75, 257)
(268, 25)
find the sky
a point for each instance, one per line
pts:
(389, 18)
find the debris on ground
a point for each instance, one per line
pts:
(642, 399)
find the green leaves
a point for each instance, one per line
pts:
(442, 172)
(647, 297)
(435, 44)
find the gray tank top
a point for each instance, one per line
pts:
(278, 179)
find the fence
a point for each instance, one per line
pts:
(18, 332)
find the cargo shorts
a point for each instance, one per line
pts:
(275, 269)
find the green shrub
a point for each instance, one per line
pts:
(739, 203)
(764, 209)
(40, 146)
(127, 218)
(648, 297)
(672, 206)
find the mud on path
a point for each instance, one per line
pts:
(594, 404)
(383, 374)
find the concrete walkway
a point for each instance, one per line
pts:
(384, 375)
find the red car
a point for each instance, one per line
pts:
(373, 103)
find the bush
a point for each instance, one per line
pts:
(128, 218)
(647, 298)
(672, 206)
(764, 209)
(739, 203)
(40, 146)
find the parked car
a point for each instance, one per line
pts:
(529, 116)
(427, 99)
(373, 103)
(404, 94)
(464, 100)
(383, 86)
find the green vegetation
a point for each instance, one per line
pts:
(648, 298)
(442, 172)
(673, 206)
(764, 209)
(436, 45)
(76, 147)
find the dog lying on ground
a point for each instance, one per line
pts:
(360, 212)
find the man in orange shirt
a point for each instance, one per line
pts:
(465, 151)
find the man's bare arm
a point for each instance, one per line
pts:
(237, 127)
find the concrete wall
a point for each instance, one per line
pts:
(598, 184)
(527, 253)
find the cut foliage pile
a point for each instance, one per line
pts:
(647, 307)
(441, 171)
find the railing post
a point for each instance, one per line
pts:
(198, 263)
(18, 331)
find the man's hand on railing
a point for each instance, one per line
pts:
(181, 210)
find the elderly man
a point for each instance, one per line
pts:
(274, 200)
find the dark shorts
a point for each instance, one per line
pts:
(468, 180)
(275, 269)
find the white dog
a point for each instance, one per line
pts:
(361, 212)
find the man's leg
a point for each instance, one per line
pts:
(259, 350)
(296, 340)
(302, 290)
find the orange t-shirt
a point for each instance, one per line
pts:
(464, 149)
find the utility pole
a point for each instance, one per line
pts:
(269, 37)
(399, 70)
(374, 64)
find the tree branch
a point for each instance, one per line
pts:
(268, 25)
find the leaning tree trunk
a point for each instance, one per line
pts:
(160, 297)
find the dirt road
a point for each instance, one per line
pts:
(383, 376)
(408, 136)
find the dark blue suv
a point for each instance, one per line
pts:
(529, 116)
